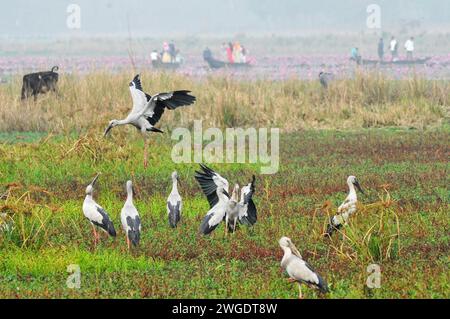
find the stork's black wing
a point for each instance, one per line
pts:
(106, 223)
(248, 212)
(137, 83)
(209, 180)
(171, 101)
(134, 230)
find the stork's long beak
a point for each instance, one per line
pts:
(107, 130)
(95, 179)
(356, 183)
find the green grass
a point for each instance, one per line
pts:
(404, 173)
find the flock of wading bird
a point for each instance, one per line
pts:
(238, 208)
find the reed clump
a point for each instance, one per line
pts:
(372, 235)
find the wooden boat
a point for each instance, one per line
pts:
(397, 62)
(165, 66)
(217, 64)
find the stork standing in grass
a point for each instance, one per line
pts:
(147, 110)
(174, 203)
(347, 208)
(325, 78)
(222, 206)
(299, 270)
(96, 215)
(129, 216)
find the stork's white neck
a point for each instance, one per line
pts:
(122, 122)
(235, 194)
(351, 190)
(287, 250)
(174, 185)
(220, 194)
(287, 254)
(129, 195)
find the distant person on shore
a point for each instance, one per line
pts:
(393, 46)
(409, 46)
(381, 49)
(355, 56)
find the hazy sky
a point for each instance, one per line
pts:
(215, 17)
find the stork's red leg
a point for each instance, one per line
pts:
(127, 241)
(145, 153)
(96, 238)
(300, 295)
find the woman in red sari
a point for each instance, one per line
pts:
(230, 53)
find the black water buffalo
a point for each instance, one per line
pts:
(39, 82)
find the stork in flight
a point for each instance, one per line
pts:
(299, 271)
(347, 208)
(147, 110)
(222, 206)
(96, 215)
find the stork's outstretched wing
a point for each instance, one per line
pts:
(209, 181)
(213, 218)
(158, 103)
(138, 96)
(247, 208)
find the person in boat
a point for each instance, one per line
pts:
(237, 52)
(178, 57)
(172, 51)
(230, 53)
(244, 54)
(155, 57)
(166, 57)
(165, 47)
(409, 46)
(381, 49)
(355, 56)
(224, 51)
(165, 54)
(393, 46)
(207, 54)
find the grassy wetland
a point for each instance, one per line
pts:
(392, 134)
(368, 100)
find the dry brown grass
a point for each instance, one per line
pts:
(368, 100)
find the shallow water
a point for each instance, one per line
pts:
(264, 67)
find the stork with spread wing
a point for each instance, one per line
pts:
(147, 110)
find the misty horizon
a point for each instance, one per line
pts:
(25, 18)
